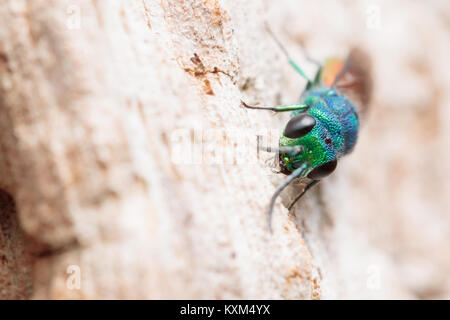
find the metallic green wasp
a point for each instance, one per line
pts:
(324, 124)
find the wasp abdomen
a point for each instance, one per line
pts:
(337, 119)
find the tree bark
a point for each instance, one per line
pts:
(131, 168)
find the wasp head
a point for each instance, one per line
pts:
(316, 150)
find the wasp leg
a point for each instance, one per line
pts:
(308, 186)
(294, 64)
(309, 58)
(284, 108)
(285, 52)
(294, 175)
(313, 61)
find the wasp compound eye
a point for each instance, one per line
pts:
(299, 126)
(323, 170)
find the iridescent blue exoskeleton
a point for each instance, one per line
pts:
(324, 124)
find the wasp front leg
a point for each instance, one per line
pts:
(307, 187)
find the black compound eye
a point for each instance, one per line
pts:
(323, 170)
(299, 126)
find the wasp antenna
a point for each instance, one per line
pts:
(294, 175)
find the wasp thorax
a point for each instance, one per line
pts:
(299, 126)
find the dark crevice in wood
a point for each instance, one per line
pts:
(15, 254)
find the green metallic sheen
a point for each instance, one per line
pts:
(334, 134)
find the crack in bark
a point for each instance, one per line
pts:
(200, 71)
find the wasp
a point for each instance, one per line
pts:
(324, 125)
